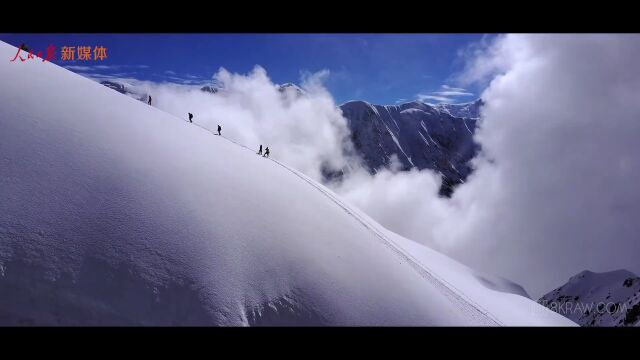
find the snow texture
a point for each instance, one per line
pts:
(113, 212)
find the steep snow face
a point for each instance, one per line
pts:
(114, 212)
(598, 299)
(420, 135)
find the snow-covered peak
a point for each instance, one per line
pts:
(210, 89)
(290, 88)
(598, 299)
(469, 110)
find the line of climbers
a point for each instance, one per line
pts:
(266, 150)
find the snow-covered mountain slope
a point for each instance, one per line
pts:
(420, 135)
(598, 299)
(114, 212)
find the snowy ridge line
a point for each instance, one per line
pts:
(467, 305)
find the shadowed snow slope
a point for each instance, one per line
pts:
(114, 212)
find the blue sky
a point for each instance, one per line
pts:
(379, 68)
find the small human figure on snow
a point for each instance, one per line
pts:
(260, 151)
(149, 100)
(190, 117)
(219, 129)
(266, 152)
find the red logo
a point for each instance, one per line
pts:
(84, 53)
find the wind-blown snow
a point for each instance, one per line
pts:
(114, 212)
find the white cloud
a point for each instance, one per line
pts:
(78, 67)
(449, 88)
(314, 81)
(452, 93)
(106, 67)
(555, 189)
(188, 80)
(103, 67)
(446, 94)
(438, 98)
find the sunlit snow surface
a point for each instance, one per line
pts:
(114, 212)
